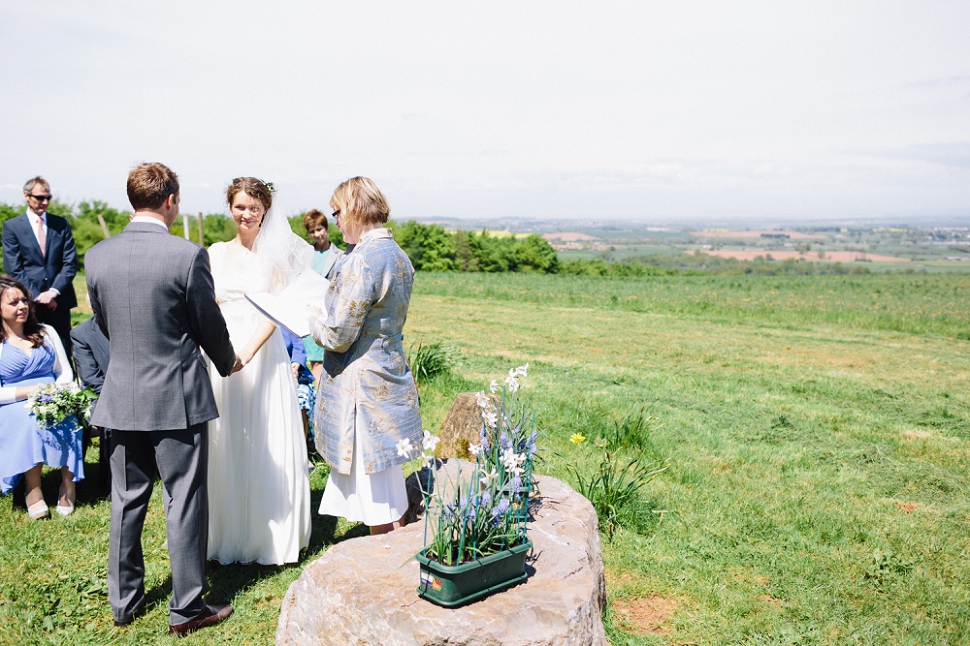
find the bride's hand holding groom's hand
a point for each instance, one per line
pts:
(244, 356)
(240, 364)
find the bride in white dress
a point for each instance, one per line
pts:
(259, 488)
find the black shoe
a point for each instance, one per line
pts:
(211, 615)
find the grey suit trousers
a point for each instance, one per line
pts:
(182, 460)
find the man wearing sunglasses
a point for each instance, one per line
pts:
(39, 251)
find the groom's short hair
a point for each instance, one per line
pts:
(150, 184)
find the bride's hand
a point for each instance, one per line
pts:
(240, 364)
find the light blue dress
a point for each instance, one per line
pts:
(23, 443)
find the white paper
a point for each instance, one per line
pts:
(289, 308)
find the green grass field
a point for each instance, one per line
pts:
(817, 430)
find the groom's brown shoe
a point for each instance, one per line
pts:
(211, 615)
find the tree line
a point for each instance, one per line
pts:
(429, 246)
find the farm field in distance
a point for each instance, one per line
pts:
(817, 430)
(878, 248)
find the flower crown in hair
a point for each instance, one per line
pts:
(269, 185)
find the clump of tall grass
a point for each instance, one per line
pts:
(624, 462)
(429, 361)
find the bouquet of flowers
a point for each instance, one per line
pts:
(51, 404)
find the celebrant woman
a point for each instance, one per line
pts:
(30, 355)
(367, 404)
(259, 487)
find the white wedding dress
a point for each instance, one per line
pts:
(259, 488)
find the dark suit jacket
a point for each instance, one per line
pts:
(153, 297)
(55, 269)
(92, 353)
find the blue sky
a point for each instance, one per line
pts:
(657, 111)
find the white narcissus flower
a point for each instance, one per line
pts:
(404, 448)
(488, 478)
(475, 449)
(430, 441)
(512, 461)
(482, 400)
(490, 419)
(512, 382)
(520, 371)
(493, 386)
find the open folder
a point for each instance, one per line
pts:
(289, 308)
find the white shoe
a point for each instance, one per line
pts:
(65, 510)
(38, 510)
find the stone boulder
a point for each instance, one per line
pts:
(363, 590)
(461, 428)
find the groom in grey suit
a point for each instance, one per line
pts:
(152, 296)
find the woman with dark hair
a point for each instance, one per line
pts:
(367, 407)
(30, 355)
(259, 487)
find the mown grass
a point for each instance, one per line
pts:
(817, 492)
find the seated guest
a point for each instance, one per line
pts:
(30, 355)
(325, 257)
(91, 351)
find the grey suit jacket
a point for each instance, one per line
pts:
(92, 354)
(153, 297)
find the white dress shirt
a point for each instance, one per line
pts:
(33, 217)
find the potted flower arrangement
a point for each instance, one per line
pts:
(475, 524)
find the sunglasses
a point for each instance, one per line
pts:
(41, 198)
(335, 214)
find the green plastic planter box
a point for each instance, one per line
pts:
(453, 585)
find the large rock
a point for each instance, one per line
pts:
(462, 427)
(363, 590)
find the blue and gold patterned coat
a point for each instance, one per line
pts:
(366, 384)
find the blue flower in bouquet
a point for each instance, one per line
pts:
(516, 484)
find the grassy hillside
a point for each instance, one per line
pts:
(817, 431)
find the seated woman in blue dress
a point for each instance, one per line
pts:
(31, 354)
